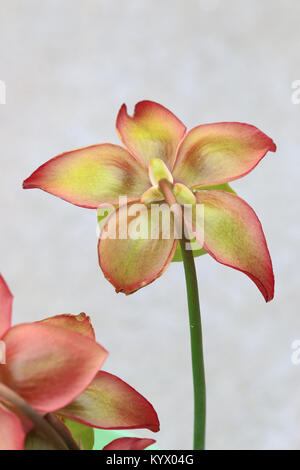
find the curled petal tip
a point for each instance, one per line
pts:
(25, 184)
(110, 403)
(80, 323)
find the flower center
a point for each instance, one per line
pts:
(158, 170)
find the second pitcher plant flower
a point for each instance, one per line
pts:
(53, 365)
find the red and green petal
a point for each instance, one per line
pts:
(12, 435)
(198, 250)
(233, 235)
(110, 403)
(152, 132)
(6, 300)
(48, 365)
(80, 323)
(135, 258)
(129, 443)
(217, 153)
(91, 176)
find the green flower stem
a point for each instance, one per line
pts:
(196, 347)
(41, 425)
(195, 326)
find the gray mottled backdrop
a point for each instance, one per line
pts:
(68, 65)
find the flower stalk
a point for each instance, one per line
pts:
(196, 346)
(195, 326)
(62, 431)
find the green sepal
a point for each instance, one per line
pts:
(83, 435)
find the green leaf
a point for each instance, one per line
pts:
(83, 435)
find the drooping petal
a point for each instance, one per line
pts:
(221, 152)
(135, 249)
(152, 132)
(129, 443)
(110, 403)
(6, 300)
(80, 323)
(49, 365)
(12, 435)
(91, 176)
(233, 236)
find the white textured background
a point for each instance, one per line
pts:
(68, 66)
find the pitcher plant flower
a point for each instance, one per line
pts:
(162, 162)
(157, 146)
(49, 373)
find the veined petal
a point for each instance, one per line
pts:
(6, 300)
(133, 248)
(221, 152)
(49, 365)
(129, 443)
(233, 236)
(12, 436)
(80, 323)
(198, 250)
(152, 132)
(110, 403)
(91, 176)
